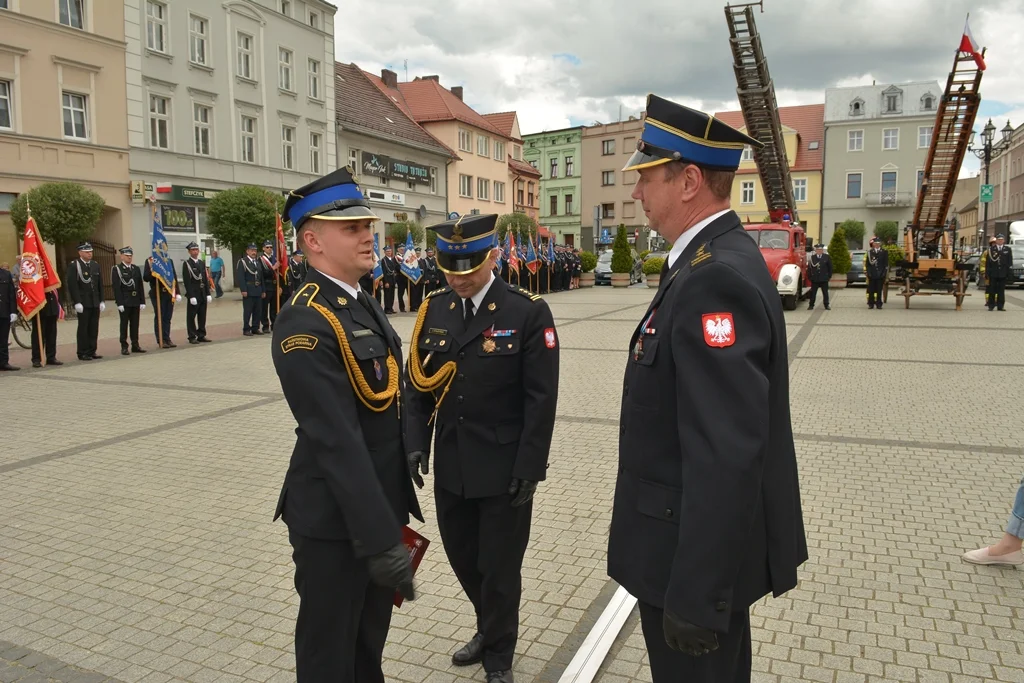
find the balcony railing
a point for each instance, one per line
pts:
(879, 199)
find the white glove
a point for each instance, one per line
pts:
(209, 298)
(177, 298)
(79, 308)
(103, 307)
(142, 307)
(192, 300)
(120, 309)
(14, 316)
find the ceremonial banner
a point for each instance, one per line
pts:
(37, 275)
(411, 262)
(161, 265)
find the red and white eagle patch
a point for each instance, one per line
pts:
(719, 330)
(549, 338)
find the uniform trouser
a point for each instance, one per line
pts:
(162, 318)
(343, 618)
(5, 335)
(195, 320)
(268, 310)
(730, 663)
(415, 295)
(251, 306)
(815, 286)
(88, 331)
(49, 338)
(485, 540)
(996, 293)
(389, 297)
(875, 291)
(379, 294)
(130, 319)
(403, 284)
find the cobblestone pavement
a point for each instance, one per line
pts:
(136, 541)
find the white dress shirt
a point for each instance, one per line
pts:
(691, 234)
(354, 291)
(478, 298)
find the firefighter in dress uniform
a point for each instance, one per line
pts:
(389, 267)
(820, 272)
(706, 518)
(197, 288)
(999, 263)
(483, 375)
(297, 270)
(876, 267)
(162, 314)
(249, 278)
(126, 281)
(271, 282)
(85, 285)
(347, 492)
(8, 315)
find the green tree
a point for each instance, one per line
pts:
(887, 231)
(588, 261)
(244, 215)
(397, 233)
(622, 261)
(839, 252)
(854, 231)
(64, 212)
(516, 221)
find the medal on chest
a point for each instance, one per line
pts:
(645, 329)
(489, 345)
(377, 371)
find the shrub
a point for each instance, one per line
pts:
(887, 231)
(622, 261)
(644, 253)
(854, 231)
(895, 255)
(653, 266)
(588, 261)
(244, 214)
(839, 252)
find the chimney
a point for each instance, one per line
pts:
(434, 77)
(389, 77)
(457, 91)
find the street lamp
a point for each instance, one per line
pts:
(989, 149)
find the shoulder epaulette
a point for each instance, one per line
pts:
(442, 290)
(524, 292)
(702, 256)
(304, 297)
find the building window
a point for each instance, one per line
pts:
(529, 194)
(924, 137)
(201, 129)
(483, 187)
(568, 205)
(520, 192)
(483, 145)
(248, 139)
(857, 107)
(465, 140)
(608, 147)
(159, 121)
(499, 151)
(892, 103)
(198, 29)
(465, 185)
(928, 102)
(888, 181)
(855, 141)
(499, 192)
(353, 159)
(156, 26)
(800, 189)
(891, 138)
(607, 178)
(72, 13)
(608, 211)
(286, 7)
(628, 145)
(314, 152)
(554, 167)
(288, 147)
(5, 104)
(568, 167)
(314, 20)
(433, 180)
(284, 69)
(629, 209)
(517, 152)
(748, 153)
(534, 164)
(314, 79)
(245, 55)
(553, 209)
(75, 121)
(853, 183)
(747, 192)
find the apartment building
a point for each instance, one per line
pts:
(479, 177)
(876, 143)
(1006, 174)
(63, 109)
(558, 156)
(401, 167)
(605, 187)
(221, 94)
(804, 137)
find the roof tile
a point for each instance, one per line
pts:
(426, 100)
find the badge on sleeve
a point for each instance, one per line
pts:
(549, 338)
(719, 330)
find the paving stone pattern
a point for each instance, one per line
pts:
(137, 542)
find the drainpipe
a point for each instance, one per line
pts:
(821, 199)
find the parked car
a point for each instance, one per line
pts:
(973, 265)
(1016, 278)
(656, 254)
(856, 275)
(603, 271)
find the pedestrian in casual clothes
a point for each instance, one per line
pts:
(217, 271)
(820, 271)
(1008, 549)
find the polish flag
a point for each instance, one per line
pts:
(970, 46)
(163, 188)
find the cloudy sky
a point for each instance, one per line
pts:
(562, 63)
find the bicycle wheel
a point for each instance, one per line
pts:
(22, 333)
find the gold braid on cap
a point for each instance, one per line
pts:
(419, 379)
(355, 374)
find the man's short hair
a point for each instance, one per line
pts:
(719, 182)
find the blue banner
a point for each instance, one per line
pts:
(161, 266)
(378, 270)
(411, 262)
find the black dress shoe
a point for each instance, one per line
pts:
(471, 653)
(54, 361)
(204, 340)
(95, 357)
(138, 349)
(85, 358)
(36, 364)
(124, 350)
(7, 367)
(500, 676)
(192, 341)
(257, 332)
(247, 334)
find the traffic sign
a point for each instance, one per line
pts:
(452, 216)
(986, 194)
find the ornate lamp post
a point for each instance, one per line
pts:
(989, 148)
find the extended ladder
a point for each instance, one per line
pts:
(760, 110)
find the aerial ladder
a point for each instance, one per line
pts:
(931, 264)
(760, 111)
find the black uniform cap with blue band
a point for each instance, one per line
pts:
(463, 244)
(334, 197)
(673, 132)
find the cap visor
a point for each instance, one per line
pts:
(351, 213)
(462, 264)
(640, 160)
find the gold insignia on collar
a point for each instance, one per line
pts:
(441, 343)
(701, 255)
(342, 301)
(427, 340)
(452, 306)
(491, 306)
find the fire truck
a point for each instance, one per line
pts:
(783, 242)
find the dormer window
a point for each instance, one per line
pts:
(928, 102)
(748, 153)
(857, 107)
(892, 100)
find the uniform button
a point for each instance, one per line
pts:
(461, 420)
(461, 355)
(668, 512)
(460, 399)
(720, 606)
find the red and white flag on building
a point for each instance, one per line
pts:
(969, 45)
(37, 275)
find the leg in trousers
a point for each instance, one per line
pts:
(94, 331)
(201, 319)
(125, 319)
(990, 297)
(257, 313)
(814, 294)
(5, 336)
(133, 325)
(403, 283)
(824, 293)
(190, 320)
(999, 293)
(343, 618)
(247, 307)
(166, 311)
(389, 299)
(82, 336)
(730, 663)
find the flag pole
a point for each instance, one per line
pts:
(159, 318)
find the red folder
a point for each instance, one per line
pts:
(417, 546)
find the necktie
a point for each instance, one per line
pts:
(664, 269)
(469, 313)
(363, 299)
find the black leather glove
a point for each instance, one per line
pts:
(521, 491)
(687, 638)
(393, 569)
(418, 460)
